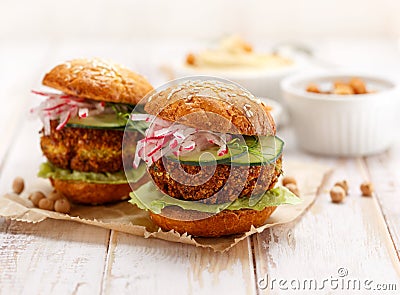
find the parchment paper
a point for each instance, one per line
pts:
(128, 218)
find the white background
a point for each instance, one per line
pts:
(199, 19)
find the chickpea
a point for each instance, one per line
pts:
(293, 188)
(339, 83)
(190, 59)
(247, 47)
(288, 179)
(312, 87)
(35, 197)
(46, 204)
(367, 188)
(62, 206)
(343, 184)
(343, 89)
(358, 86)
(337, 194)
(55, 195)
(18, 185)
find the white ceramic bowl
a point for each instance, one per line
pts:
(345, 125)
(260, 82)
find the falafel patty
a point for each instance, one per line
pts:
(85, 149)
(203, 183)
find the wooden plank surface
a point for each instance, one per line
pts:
(384, 173)
(352, 236)
(51, 257)
(150, 266)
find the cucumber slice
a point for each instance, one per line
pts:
(208, 157)
(101, 121)
(262, 150)
(254, 151)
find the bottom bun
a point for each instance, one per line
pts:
(95, 193)
(200, 224)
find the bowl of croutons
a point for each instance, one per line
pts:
(342, 114)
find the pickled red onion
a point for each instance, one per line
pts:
(165, 137)
(63, 107)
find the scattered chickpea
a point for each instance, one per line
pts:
(367, 188)
(337, 194)
(55, 201)
(46, 204)
(36, 197)
(55, 195)
(343, 184)
(293, 188)
(247, 47)
(288, 179)
(190, 59)
(312, 87)
(62, 206)
(18, 185)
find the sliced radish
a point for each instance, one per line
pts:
(164, 138)
(63, 107)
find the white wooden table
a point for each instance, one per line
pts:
(361, 236)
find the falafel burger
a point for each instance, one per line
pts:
(84, 128)
(212, 152)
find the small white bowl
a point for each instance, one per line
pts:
(260, 82)
(342, 125)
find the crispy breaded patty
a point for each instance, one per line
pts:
(225, 184)
(85, 149)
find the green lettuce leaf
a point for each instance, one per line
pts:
(148, 197)
(48, 170)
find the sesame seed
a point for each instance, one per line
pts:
(151, 97)
(173, 91)
(249, 113)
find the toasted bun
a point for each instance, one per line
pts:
(95, 193)
(98, 80)
(212, 105)
(227, 222)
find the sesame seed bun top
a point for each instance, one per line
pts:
(98, 80)
(212, 105)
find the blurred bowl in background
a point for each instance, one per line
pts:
(342, 125)
(235, 59)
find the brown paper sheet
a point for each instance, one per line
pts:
(127, 218)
